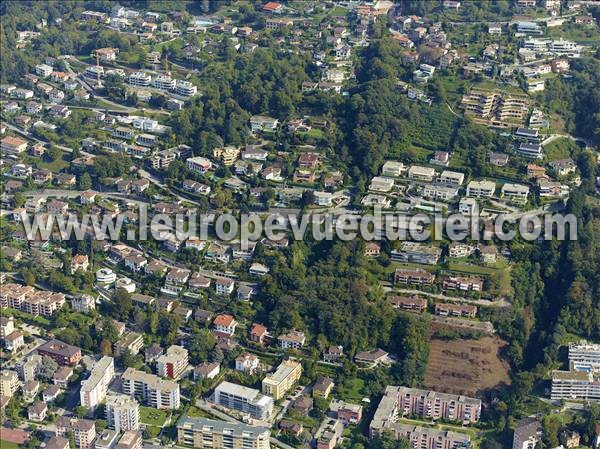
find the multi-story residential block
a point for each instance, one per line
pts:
(528, 433)
(417, 276)
(122, 412)
(433, 405)
(413, 303)
(292, 340)
(83, 431)
(9, 382)
(398, 401)
(60, 352)
(131, 439)
(345, 412)
(174, 363)
(420, 173)
(244, 399)
(277, 384)
(130, 341)
(481, 188)
(451, 178)
(139, 79)
(454, 309)
(150, 389)
(464, 283)
(517, 193)
(185, 88)
(13, 145)
(198, 164)
(94, 388)
(584, 356)
(204, 432)
(575, 385)
(393, 169)
(417, 253)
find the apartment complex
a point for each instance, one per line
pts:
(528, 433)
(208, 433)
(434, 405)
(93, 389)
(575, 385)
(495, 108)
(584, 356)
(417, 253)
(60, 352)
(150, 389)
(244, 399)
(31, 300)
(83, 431)
(282, 380)
(122, 412)
(173, 363)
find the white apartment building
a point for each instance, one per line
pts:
(185, 88)
(421, 173)
(467, 206)
(575, 385)
(392, 168)
(244, 399)
(198, 164)
(515, 192)
(481, 188)
(150, 389)
(94, 388)
(122, 412)
(203, 432)
(43, 70)
(584, 356)
(531, 150)
(528, 433)
(173, 363)
(451, 178)
(440, 192)
(139, 79)
(164, 82)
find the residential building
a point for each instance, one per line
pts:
(455, 309)
(206, 370)
(244, 399)
(517, 193)
(247, 363)
(575, 385)
(413, 303)
(530, 150)
(417, 276)
(421, 173)
(481, 188)
(83, 430)
(584, 356)
(528, 433)
(464, 283)
(203, 433)
(130, 341)
(277, 384)
(60, 352)
(94, 388)
(139, 79)
(292, 340)
(57, 443)
(225, 324)
(131, 439)
(417, 253)
(122, 412)
(198, 164)
(150, 389)
(563, 167)
(372, 358)
(13, 145)
(173, 363)
(9, 382)
(345, 412)
(322, 387)
(258, 332)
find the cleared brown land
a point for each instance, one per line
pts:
(466, 366)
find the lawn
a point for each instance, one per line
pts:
(152, 416)
(8, 445)
(351, 390)
(560, 148)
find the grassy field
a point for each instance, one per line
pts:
(351, 390)
(152, 416)
(560, 148)
(8, 445)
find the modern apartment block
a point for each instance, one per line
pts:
(421, 437)
(83, 431)
(31, 300)
(584, 356)
(281, 381)
(433, 405)
(122, 412)
(93, 389)
(173, 363)
(208, 433)
(244, 399)
(495, 108)
(575, 385)
(60, 352)
(150, 389)
(417, 253)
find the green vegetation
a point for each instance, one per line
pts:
(152, 416)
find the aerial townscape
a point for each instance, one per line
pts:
(420, 120)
